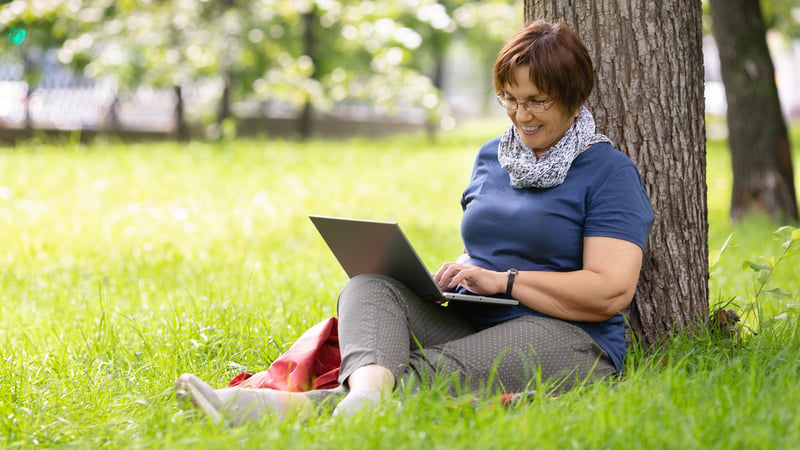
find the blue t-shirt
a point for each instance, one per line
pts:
(543, 229)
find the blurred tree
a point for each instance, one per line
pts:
(482, 25)
(330, 56)
(345, 54)
(357, 53)
(28, 29)
(187, 46)
(137, 43)
(648, 99)
(487, 25)
(437, 28)
(250, 36)
(763, 177)
(309, 20)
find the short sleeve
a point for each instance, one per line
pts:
(619, 208)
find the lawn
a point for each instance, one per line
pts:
(124, 266)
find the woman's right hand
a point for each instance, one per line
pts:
(475, 279)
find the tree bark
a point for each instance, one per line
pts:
(648, 98)
(763, 177)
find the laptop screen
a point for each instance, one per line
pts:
(371, 246)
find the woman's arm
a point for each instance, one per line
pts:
(604, 286)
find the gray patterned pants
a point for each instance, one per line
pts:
(382, 322)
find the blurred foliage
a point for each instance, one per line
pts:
(782, 16)
(385, 53)
(779, 15)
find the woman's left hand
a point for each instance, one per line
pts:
(476, 279)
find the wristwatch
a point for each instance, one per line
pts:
(512, 273)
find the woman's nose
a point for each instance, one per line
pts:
(523, 113)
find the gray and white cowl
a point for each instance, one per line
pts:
(551, 169)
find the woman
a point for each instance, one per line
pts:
(554, 217)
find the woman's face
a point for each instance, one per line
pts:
(538, 130)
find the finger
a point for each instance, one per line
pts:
(439, 275)
(471, 278)
(448, 276)
(459, 276)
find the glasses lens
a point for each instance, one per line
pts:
(506, 103)
(537, 106)
(534, 107)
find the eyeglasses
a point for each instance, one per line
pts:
(532, 106)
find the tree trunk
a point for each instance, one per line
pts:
(648, 98)
(763, 177)
(111, 121)
(438, 43)
(228, 74)
(27, 70)
(181, 132)
(179, 111)
(306, 116)
(224, 106)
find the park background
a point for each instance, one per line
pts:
(133, 254)
(155, 67)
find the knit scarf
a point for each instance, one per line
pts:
(551, 169)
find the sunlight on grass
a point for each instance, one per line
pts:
(126, 265)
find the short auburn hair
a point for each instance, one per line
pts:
(559, 64)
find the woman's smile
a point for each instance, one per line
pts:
(530, 129)
(538, 130)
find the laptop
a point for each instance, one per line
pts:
(371, 246)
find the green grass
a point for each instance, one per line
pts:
(749, 240)
(124, 266)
